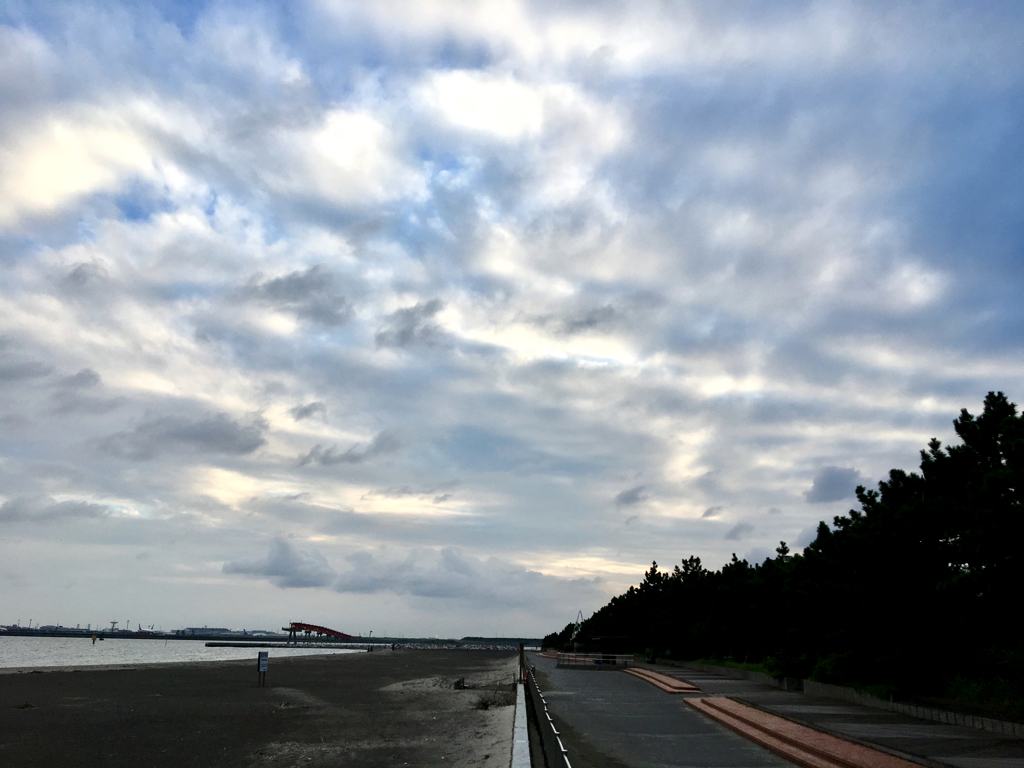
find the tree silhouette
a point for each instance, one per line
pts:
(916, 591)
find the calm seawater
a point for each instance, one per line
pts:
(80, 652)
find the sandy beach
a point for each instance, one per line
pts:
(375, 709)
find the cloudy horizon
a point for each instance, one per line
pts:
(448, 320)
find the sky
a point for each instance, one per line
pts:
(443, 318)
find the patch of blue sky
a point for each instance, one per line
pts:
(418, 229)
(210, 208)
(15, 246)
(139, 205)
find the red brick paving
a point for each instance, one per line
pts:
(664, 682)
(792, 741)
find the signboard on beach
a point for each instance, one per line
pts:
(261, 668)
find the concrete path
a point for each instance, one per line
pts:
(926, 742)
(612, 720)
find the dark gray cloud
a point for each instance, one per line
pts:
(311, 295)
(44, 510)
(833, 484)
(739, 531)
(216, 434)
(806, 536)
(630, 496)
(68, 402)
(589, 320)
(84, 379)
(712, 511)
(77, 394)
(300, 412)
(411, 326)
(286, 566)
(580, 321)
(84, 276)
(450, 574)
(384, 443)
(402, 491)
(22, 370)
(758, 555)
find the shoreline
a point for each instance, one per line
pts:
(162, 664)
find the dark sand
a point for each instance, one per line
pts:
(375, 709)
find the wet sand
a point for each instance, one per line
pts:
(375, 709)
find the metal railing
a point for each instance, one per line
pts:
(594, 660)
(555, 753)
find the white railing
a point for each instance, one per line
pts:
(595, 660)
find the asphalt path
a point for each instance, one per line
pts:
(612, 720)
(615, 720)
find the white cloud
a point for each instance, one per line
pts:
(243, 43)
(913, 286)
(348, 157)
(57, 158)
(500, 106)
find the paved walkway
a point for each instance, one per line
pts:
(612, 720)
(929, 743)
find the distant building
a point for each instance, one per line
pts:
(208, 631)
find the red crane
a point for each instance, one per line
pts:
(296, 627)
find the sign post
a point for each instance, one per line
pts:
(261, 668)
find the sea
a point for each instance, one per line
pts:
(42, 652)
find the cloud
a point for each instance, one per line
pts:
(384, 443)
(300, 412)
(833, 484)
(216, 434)
(57, 158)
(712, 511)
(588, 320)
(83, 276)
(286, 566)
(449, 574)
(739, 531)
(476, 101)
(46, 510)
(310, 295)
(411, 325)
(630, 496)
(806, 536)
(408, 490)
(758, 555)
(347, 158)
(23, 370)
(84, 379)
(75, 394)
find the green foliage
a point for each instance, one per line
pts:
(559, 641)
(913, 593)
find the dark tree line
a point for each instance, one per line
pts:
(919, 591)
